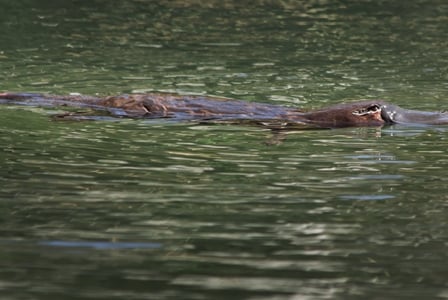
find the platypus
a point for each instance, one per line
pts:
(220, 110)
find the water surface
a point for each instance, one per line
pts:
(138, 209)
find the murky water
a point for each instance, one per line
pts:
(136, 209)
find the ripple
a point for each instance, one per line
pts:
(367, 197)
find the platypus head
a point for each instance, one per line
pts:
(354, 114)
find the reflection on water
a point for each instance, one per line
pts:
(153, 209)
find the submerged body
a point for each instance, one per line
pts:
(218, 110)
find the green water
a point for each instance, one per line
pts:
(138, 209)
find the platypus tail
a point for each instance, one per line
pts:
(48, 100)
(18, 96)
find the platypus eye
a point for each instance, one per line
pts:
(371, 109)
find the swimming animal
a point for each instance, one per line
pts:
(220, 110)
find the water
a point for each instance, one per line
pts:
(136, 209)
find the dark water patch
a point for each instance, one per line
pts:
(100, 245)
